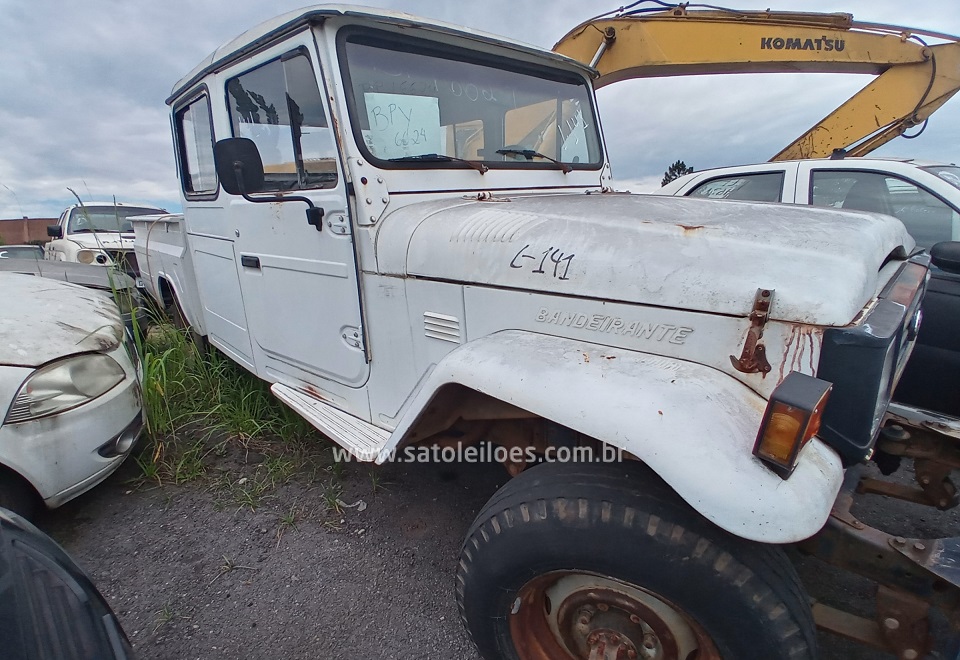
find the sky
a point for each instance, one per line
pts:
(83, 84)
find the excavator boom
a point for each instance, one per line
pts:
(912, 79)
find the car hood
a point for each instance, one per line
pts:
(692, 254)
(97, 277)
(103, 240)
(43, 320)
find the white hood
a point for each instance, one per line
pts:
(702, 255)
(102, 240)
(42, 320)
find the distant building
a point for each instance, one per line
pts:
(24, 230)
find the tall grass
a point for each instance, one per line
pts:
(192, 395)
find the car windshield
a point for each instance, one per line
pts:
(105, 218)
(949, 173)
(418, 104)
(21, 252)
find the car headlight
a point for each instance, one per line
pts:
(63, 385)
(91, 256)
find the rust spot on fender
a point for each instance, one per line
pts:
(689, 229)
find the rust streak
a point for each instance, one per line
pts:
(314, 392)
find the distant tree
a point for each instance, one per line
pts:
(675, 171)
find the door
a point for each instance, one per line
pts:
(299, 282)
(211, 239)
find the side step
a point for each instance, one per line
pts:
(362, 439)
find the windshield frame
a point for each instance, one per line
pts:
(390, 40)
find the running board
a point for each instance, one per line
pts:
(362, 439)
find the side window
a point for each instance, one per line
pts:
(763, 187)
(195, 142)
(928, 218)
(278, 106)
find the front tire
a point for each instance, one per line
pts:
(578, 561)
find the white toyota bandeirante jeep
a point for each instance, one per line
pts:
(408, 228)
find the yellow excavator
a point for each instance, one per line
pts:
(654, 39)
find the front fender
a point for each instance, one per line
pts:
(693, 425)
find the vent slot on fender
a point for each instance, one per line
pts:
(442, 327)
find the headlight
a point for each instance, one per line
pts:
(91, 256)
(64, 385)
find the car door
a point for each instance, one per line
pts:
(299, 282)
(930, 379)
(210, 237)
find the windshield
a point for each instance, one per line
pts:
(105, 218)
(21, 252)
(426, 105)
(949, 173)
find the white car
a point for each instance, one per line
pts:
(97, 233)
(70, 399)
(924, 196)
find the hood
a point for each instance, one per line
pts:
(89, 275)
(103, 240)
(42, 320)
(693, 254)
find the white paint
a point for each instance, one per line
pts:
(43, 320)
(650, 250)
(663, 286)
(693, 425)
(49, 320)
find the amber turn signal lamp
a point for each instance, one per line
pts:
(792, 417)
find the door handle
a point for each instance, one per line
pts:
(249, 261)
(315, 217)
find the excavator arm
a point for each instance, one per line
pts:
(913, 79)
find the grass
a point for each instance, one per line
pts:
(165, 615)
(287, 521)
(201, 405)
(229, 566)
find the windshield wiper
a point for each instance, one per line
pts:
(440, 158)
(530, 154)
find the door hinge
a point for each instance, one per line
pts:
(337, 224)
(353, 337)
(753, 358)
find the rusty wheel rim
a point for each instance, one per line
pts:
(568, 615)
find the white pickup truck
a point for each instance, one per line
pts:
(464, 280)
(96, 233)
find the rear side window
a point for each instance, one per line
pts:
(195, 138)
(761, 187)
(927, 217)
(278, 106)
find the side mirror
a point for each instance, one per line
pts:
(54, 231)
(946, 256)
(240, 170)
(239, 166)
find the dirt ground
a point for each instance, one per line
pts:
(194, 575)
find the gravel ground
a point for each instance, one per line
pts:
(192, 575)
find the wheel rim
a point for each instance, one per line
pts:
(568, 615)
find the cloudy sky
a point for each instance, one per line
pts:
(82, 89)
